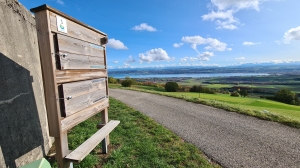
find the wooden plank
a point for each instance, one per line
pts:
(78, 31)
(80, 95)
(71, 45)
(78, 75)
(76, 89)
(71, 121)
(45, 38)
(84, 149)
(81, 102)
(75, 61)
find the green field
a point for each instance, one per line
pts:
(259, 82)
(289, 111)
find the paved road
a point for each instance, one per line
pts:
(231, 139)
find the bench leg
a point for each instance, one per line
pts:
(104, 118)
(104, 146)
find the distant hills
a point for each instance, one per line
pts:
(291, 68)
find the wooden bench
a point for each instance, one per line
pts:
(84, 149)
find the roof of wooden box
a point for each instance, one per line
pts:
(47, 7)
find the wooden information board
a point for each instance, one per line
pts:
(73, 58)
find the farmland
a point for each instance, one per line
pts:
(255, 85)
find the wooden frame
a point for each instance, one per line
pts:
(73, 58)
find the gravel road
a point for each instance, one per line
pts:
(231, 139)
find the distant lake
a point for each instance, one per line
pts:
(206, 75)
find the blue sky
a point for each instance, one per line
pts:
(161, 33)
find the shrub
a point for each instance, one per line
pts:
(127, 83)
(194, 89)
(235, 94)
(202, 89)
(112, 80)
(171, 86)
(243, 93)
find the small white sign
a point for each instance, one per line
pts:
(61, 24)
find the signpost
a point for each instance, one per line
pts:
(73, 58)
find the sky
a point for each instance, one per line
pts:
(164, 33)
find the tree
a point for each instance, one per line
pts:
(127, 83)
(171, 86)
(286, 96)
(132, 80)
(243, 93)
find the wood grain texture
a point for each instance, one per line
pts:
(76, 89)
(62, 150)
(71, 45)
(71, 121)
(75, 61)
(84, 149)
(66, 76)
(83, 94)
(77, 31)
(46, 48)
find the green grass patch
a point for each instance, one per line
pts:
(137, 141)
(260, 108)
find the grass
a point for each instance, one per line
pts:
(260, 108)
(137, 141)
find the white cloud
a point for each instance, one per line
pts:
(223, 15)
(116, 44)
(194, 58)
(60, 2)
(177, 45)
(240, 58)
(130, 59)
(218, 15)
(201, 57)
(292, 34)
(204, 59)
(116, 62)
(226, 9)
(126, 65)
(237, 4)
(144, 26)
(206, 54)
(198, 64)
(213, 44)
(157, 54)
(248, 43)
(272, 62)
(184, 59)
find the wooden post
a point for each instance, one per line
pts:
(62, 150)
(104, 120)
